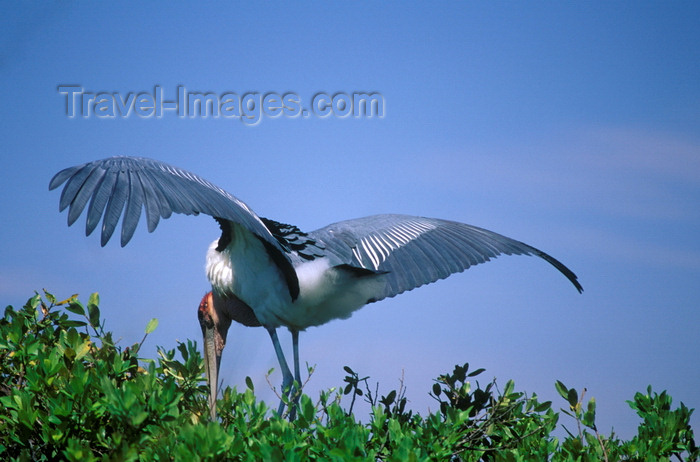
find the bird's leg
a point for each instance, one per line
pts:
(295, 345)
(296, 392)
(287, 379)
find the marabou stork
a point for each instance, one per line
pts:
(269, 274)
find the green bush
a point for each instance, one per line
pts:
(67, 392)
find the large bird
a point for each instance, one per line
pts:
(270, 274)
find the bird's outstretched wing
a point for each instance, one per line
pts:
(414, 251)
(125, 184)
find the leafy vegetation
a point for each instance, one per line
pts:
(67, 392)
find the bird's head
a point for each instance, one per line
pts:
(215, 313)
(215, 325)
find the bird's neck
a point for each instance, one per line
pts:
(231, 308)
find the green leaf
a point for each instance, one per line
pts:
(388, 399)
(34, 302)
(249, 383)
(76, 307)
(307, 408)
(82, 350)
(543, 406)
(510, 386)
(561, 389)
(138, 418)
(94, 309)
(151, 326)
(476, 372)
(589, 416)
(50, 297)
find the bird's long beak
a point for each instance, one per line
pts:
(212, 360)
(213, 346)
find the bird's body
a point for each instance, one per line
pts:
(269, 274)
(327, 291)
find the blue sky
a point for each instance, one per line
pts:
(572, 127)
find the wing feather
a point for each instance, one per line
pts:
(162, 207)
(115, 205)
(132, 214)
(72, 188)
(82, 196)
(413, 251)
(98, 202)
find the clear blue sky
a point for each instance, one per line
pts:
(574, 127)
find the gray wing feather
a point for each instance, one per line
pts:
(125, 185)
(413, 251)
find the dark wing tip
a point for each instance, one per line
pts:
(563, 269)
